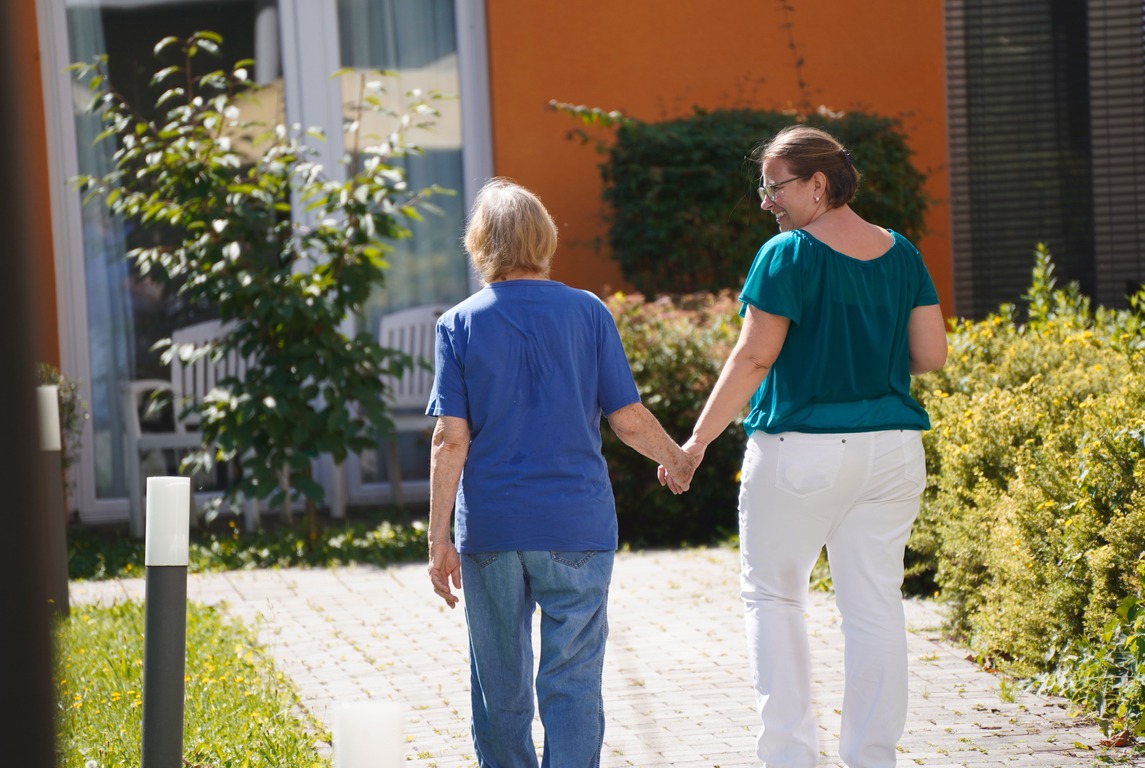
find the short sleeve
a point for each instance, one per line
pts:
(926, 295)
(774, 283)
(615, 384)
(448, 396)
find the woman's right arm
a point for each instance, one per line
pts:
(448, 451)
(759, 343)
(926, 335)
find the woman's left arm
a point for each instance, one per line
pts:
(926, 334)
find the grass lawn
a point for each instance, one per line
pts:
(239, 711)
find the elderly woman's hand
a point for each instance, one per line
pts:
(678, 477)
(444, 568)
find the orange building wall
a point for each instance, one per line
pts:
(657, 59)
(34, 187)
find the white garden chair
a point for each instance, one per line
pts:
(410, 331)
(191, 381)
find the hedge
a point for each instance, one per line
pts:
(1033, 521)
(684, 213)
(676, 347)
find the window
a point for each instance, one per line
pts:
(416, 40)
(109, 317)
(126, 313)
(1045, 103)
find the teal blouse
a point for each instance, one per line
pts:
(845, 364)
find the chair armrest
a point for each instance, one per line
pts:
(131, 398)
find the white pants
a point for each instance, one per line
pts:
(858, 495)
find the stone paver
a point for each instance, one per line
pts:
(677, 692)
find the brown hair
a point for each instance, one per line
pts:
(808, 150)
(509, 229)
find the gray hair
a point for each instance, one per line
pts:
(509, 229)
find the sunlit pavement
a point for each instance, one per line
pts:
(677, 690)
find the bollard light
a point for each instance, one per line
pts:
(368, 734)
(48, 400)
(54, 498)
(165, 620)
(168, 521)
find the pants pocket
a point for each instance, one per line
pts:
(482, 559)
(808, 464)
(572, 559)
(914, 458)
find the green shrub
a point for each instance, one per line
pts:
(1034, 517)
(676, 347)
(1107, 676)
(101, 552)
(685, 214)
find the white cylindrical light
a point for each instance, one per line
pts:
(48, 400)
(168, 520)
(368, 734)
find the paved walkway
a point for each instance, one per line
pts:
(676, 687)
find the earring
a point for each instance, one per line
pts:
(816, 198)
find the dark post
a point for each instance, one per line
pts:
(52, 471)
(26, 691)
(165, 620)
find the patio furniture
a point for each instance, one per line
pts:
(190, 382)
(410, 331)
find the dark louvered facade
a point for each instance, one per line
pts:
(1046, 104)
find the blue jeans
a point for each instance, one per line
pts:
(502, 590)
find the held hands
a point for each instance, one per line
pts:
(678, 476)
(445, 568)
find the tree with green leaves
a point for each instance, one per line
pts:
(222, 197)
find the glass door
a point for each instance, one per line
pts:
(417, 41)
(110, 316)
(124, 313)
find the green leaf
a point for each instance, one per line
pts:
(164, 44)
(204, 35)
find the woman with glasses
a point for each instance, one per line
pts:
(838, 313)
(525, 368)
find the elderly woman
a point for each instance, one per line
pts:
(524, 370)
(838, 314)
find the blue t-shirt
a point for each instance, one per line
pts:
(532, 365)
(845, 364)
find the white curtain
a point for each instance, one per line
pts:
(417, 40)
(111, 330)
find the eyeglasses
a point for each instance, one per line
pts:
(767, 191)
